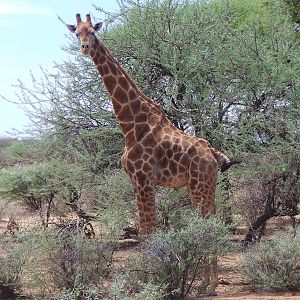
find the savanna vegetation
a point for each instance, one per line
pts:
(224, 70)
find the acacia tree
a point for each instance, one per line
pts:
(43, 187)
(71, 110)
(216, 67)
(227, 71)
(224, 70)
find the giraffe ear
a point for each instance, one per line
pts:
(98, 26)
(72, 28)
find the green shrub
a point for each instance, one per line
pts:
(68, 261)
(128, 286)
(12, 260)
(274, 264)
(25, 151)
(41, 186)
(89, 292)
(50, 262)
(176, 261)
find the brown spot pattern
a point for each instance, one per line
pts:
(155, 151)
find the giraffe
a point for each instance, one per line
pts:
(156, 152)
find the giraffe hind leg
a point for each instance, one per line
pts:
(203, 198)
(202, 195)
(145, 198)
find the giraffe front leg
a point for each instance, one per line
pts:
(145, 198)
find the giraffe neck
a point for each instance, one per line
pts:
(128, 101)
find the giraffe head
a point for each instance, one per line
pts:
(85, 32)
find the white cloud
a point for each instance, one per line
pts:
(22, 7)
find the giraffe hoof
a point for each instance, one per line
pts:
(212, 293)
(129, 231)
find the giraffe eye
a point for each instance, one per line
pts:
(77, 34)
(92, 33)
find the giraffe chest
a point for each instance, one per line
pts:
(172, 181)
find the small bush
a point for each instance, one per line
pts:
(48, 262)
(151, 291)
(130, 285)
(89, 292)
(177, 260)
(68, 261)
(274, 264)
(13, 258)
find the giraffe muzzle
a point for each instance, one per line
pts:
(85, 48)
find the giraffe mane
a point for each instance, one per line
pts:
(132, 83)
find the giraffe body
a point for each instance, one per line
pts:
(156, 152)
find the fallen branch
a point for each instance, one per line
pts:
(255, 228)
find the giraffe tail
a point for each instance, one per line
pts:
(224, 161)
(225, 166)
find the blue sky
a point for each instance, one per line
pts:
(32, 36)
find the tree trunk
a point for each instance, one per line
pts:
(254, 230)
